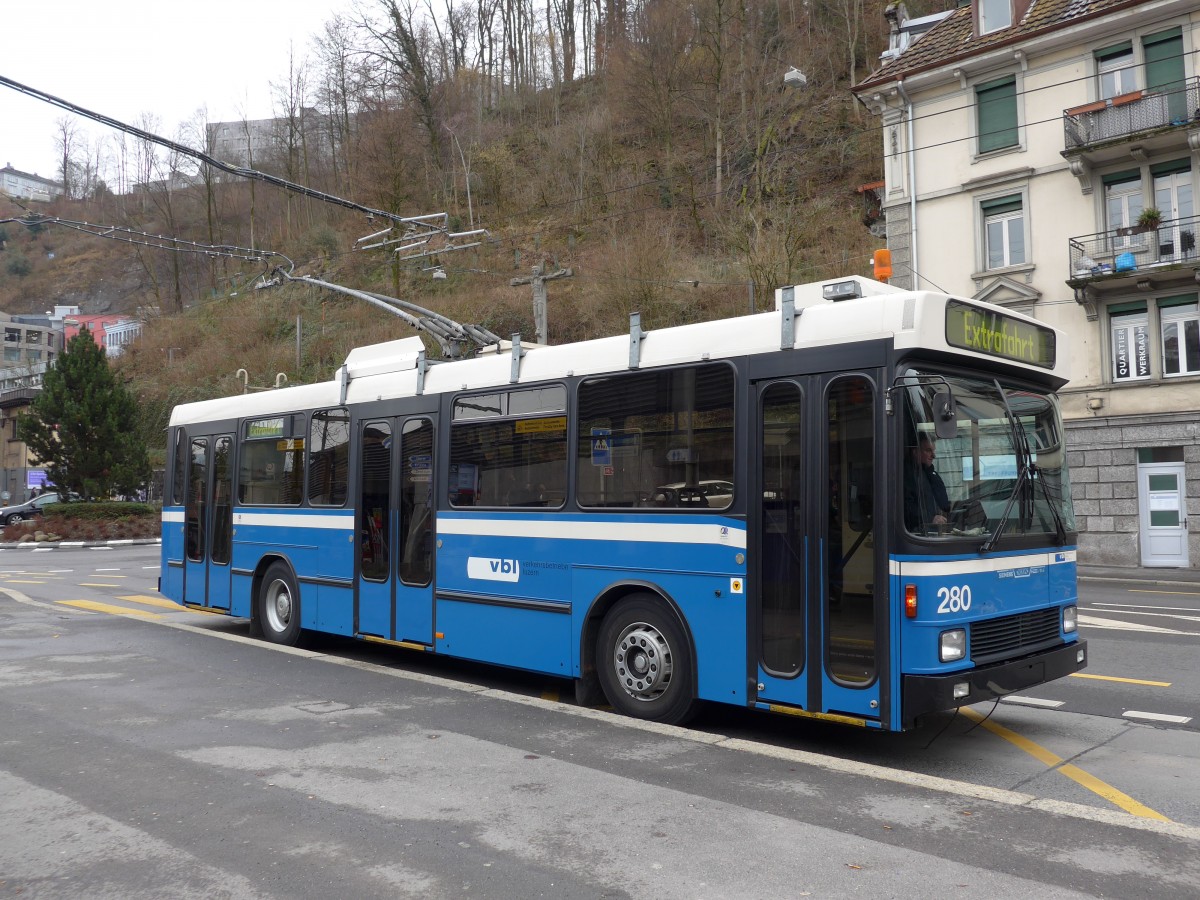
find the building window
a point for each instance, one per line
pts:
(1130, 342)
(996, 114)
(1123, 203)
(12, 354)
(1180, 321)
(1115, 71)
(994, 15)
(1004, 231)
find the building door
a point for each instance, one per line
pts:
(1173, 198)
(208, 522)
(817, 570)
(395, 530)
(1162, 513)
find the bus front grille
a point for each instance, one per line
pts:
(1014, 635)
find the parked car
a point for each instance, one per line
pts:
(10, 515)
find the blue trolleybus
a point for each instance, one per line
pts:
(854, 507)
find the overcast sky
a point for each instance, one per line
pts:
(128, 57)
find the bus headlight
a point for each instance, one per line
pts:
(1070, 619)
(952, 645)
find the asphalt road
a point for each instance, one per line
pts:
(149, 751)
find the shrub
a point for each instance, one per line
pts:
(18, 264)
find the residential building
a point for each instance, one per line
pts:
(24, 186)
(1024, 147)
(264, 142)
(27, 342)
(112, 332)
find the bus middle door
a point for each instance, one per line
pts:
(817, 569)
(395, 530)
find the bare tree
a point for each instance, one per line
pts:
(338, 93)
(66, 133)
(403, 42)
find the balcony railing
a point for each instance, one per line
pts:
(1128, 251)
(1130, 114)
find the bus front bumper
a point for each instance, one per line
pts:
(933, 693)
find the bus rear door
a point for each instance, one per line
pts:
(817, 566)
(395, 530)
(208, 522)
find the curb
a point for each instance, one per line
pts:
(51, 545)
(1117, 579)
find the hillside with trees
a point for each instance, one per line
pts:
(653, 149)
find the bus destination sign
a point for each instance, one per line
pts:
(991, 333)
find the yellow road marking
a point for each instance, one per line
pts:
(152, 601)
(1076, 774)
(96, 584)
(1122, 680)
(551, 695)
(110, 609)
(19, 581)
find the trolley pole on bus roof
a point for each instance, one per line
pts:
(538, 279)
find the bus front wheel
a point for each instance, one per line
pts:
(645, 663)
(279, 606)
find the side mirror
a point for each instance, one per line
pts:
(945, 415)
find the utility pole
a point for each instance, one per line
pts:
(538, 279)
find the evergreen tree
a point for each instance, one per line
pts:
(83, 425)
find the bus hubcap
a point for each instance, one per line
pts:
(279, 606)
(642, 659)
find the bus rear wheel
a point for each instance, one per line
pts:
(279, 606)
(645, 662)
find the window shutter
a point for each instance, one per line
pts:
(996, 104)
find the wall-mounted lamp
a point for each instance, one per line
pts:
(1095, 403)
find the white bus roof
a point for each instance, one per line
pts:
(910, 319)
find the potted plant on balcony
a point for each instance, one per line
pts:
(1148, 220)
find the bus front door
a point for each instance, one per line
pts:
(208, 522)
(395, 530)
(817, 568)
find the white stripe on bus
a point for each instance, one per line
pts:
(916, 569)
(343, 521)
(575, 530)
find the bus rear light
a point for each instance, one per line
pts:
(910, 601)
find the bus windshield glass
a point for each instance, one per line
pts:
(1003, 475)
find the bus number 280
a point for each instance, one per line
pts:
(954, 599)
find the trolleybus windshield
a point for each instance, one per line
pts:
(959, 488)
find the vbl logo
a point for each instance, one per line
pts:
(490, 569)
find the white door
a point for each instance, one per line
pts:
(1162, 508)
(1173, 197)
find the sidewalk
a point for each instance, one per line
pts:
(1141, 575)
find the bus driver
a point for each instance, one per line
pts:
(926, 502)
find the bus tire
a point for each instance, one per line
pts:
(644, 661)
(279, 605)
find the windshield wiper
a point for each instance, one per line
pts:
(1025, 472)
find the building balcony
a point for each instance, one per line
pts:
(1135, 258)
(1103, 131)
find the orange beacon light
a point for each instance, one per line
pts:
(883, 264)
